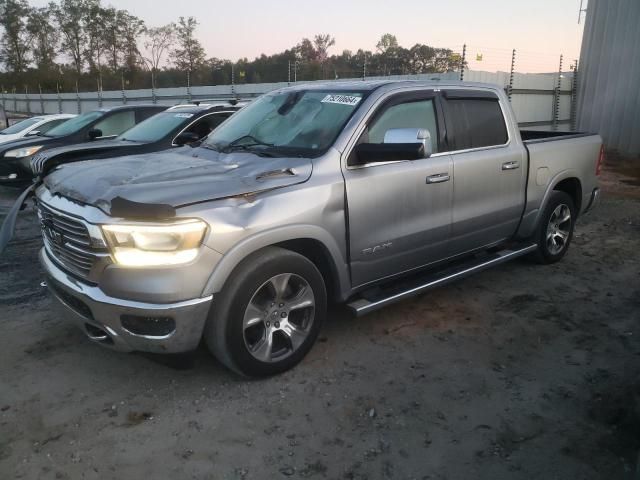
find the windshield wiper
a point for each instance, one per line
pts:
(253, 142)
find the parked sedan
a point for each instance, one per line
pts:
(15, 156)
(33, 126)
(175, 127)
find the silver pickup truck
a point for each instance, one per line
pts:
(360, 192)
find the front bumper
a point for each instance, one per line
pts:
(12, 172)
(100, 316)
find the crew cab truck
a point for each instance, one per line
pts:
(360, 192)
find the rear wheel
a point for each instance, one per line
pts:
(269, 313)
(555, 230)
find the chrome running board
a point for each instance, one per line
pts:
(371, 300)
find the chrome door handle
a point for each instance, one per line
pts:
(510, 165)
(438, 178)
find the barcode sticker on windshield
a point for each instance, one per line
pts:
(184, 115)
(342, 99)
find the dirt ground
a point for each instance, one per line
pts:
(520, 372)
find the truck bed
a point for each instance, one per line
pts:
(538, 136)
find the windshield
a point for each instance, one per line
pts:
(75, 124)
(20, 126)
(156, 127)
(297, 123)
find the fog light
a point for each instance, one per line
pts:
(148, 326)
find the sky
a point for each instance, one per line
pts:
(540, 30)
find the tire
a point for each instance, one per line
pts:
(555, 229)
(269, 313)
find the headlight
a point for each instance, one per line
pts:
(23, 152)
(153, 245)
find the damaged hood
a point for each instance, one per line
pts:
(173, 179)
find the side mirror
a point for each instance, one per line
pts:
(33, 133)
(186, 138)
(94, 133)
(399, 144)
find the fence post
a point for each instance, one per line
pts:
(154, 99)
(364, 68)
(41, 99)
(26, 96)
(289, 75)
(4, 101)
(189, 96)
(463, 61)
(59, 97)
(78, 98)
(513, 67)
(15, 100)
(574, 98)
(556, 98)
(233, 79)
(99, 93)
(124, 93)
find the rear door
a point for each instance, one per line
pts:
(490, 170)
(398, 218)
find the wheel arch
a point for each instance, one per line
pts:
(567, 181)
(311, 241)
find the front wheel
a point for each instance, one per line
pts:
(555, 230)
(269, 313)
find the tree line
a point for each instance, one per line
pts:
(86, 45)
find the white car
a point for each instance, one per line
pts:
(33, 126)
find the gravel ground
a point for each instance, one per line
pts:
(520, 372)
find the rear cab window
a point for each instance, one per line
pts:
(474, 120)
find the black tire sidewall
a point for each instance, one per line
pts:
(557, 198)
(230, 346)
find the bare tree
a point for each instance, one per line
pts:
(158, 41)
(189, 54)
(322, 43)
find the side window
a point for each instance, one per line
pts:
(44, 128)
(411, 114)
(117, 123)
(205, 125)
(476, 123)
(144, 113)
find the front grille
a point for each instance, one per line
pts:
(67, 240)
(37, 163)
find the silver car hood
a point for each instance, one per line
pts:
(174, 179)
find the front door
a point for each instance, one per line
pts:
(399, 212)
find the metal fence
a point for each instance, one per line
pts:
(540, 100)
